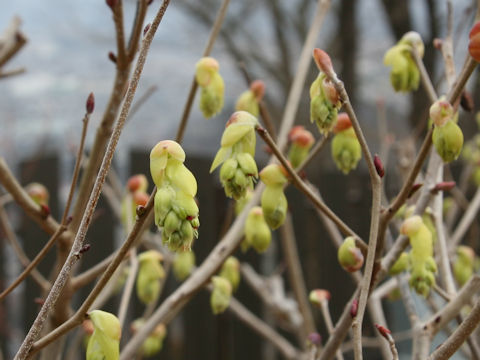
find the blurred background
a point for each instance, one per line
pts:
(66, 58)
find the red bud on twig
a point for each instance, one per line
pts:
(146, 28)
(323, 61)
(378, 166)
(474, 44)
(90, 103)
(314, 339)
(383, 331)
(45, 210)
(414, 189)
(111, 3)
(354, 308)
(112, 57)
(444, 186)
(466, 101)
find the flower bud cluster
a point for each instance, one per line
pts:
(349, 255)
(422, 265)
(274, 202)
(250, 100)
(221, 294)
(237, 151)
(463, 267)
(183, 264)
(176, 211)
(301, 141)
(104, 343)
(404, 74)
(257, 232)
(209, 79)
(230, 270)
(324, 103)
(154, 342)
(346, 150)
(447, 136)
(136, 196)
(150, 274)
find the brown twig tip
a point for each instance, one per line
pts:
(414, 189)
(68, 220)
(39, 301)
(354, 308)
(90, 105)
(383, 331)
(112, 4)
(314, 339)
(112, 57)
(146, 28)
(437, 43)
(466, 101)
(149, 2)
(140, 210)
(443, 186)
(378, 166)
(323, 61)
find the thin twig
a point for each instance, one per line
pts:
(445, 269)
(295, 274)
(468, 217)
(461, 333)
(12, 239)
(426, 81)
(193, 87)
(87, 217)
(313, 152)
(127, 291)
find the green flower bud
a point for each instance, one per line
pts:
(183, 264)
(250, 99)
(324, 103)
(441, 111)
(154, 343)
(231, 271)
(181, 178)
(404, 75)
(247, 164)
(105, 340)
(463, 267)
(150, 273)
(422, 264)
(274, 175)
(346, 150)
(349, 256)
(448, 141)
(38, 193)
(301, 141)
(228, 169)
(274, 205)
(212, 93)
(318, 296)
(159, 156)
(164, 198)
(257, 233)
(172, 223)
(400, 265)
(221, 294)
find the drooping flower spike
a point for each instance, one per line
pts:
(211, 83)
(236, 153)
(176, 210)
(404, 74)
(274, 202)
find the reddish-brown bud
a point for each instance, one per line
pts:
(437, 43)
(301, 137)
(383, 331)
(378, 166)
(111, 3)
(414, 189)
(314, 339)
(466, 101)
(354, 308)
(323, 61)
(444, 186)
(343, 123)
(84, 248)
(258, 89)
(112, 57)
(90, 105)
(474, 44)
(146, 28)
(45, 210)
(140, 198)
(318, 296)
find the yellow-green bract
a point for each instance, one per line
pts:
(105, 341)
